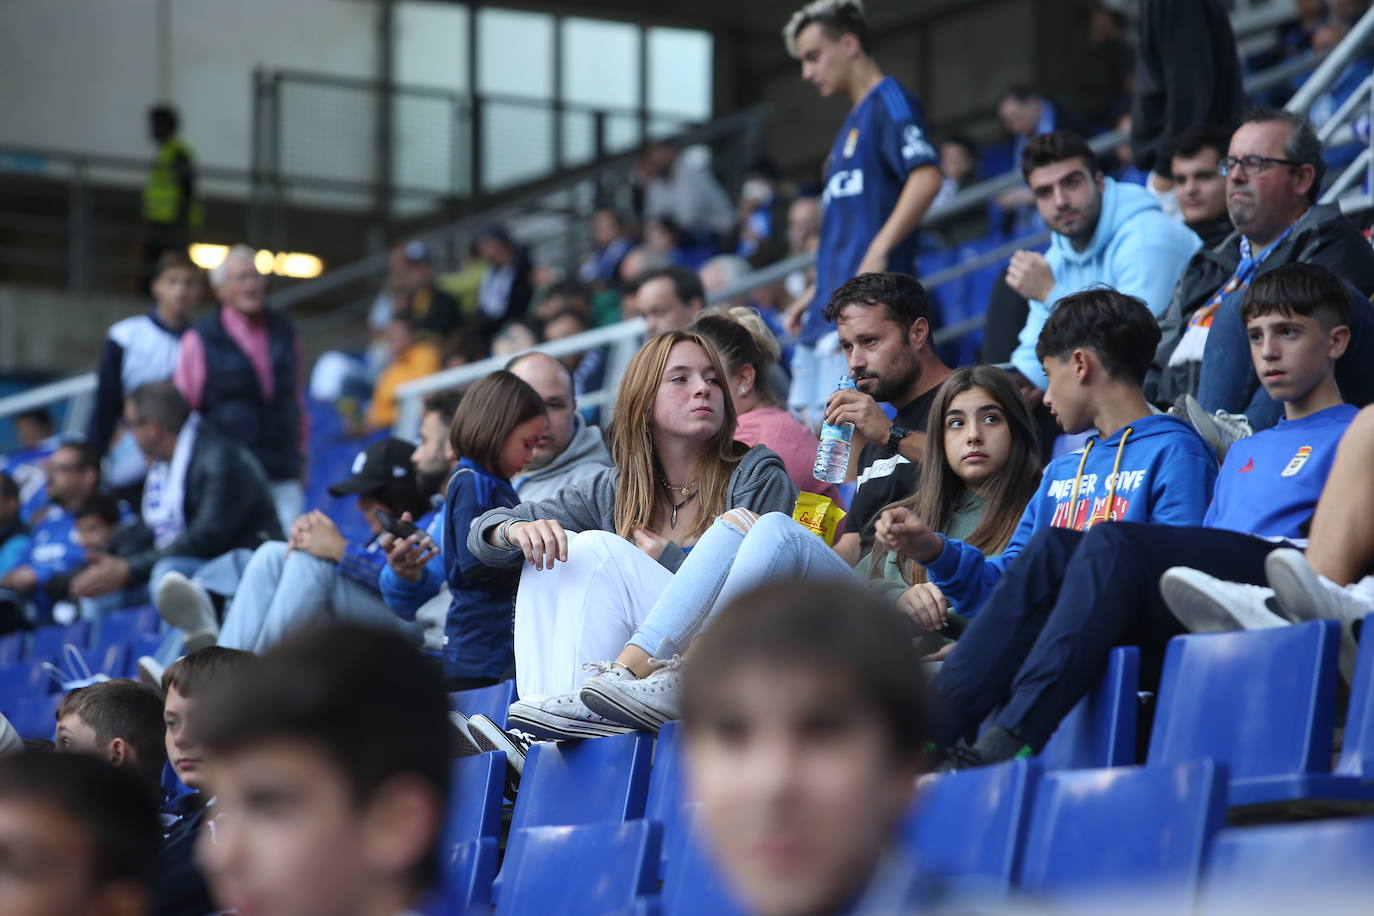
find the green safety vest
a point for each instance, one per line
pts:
(162, 193)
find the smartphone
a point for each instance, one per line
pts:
(396, 526)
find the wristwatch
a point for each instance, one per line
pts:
(895, 435)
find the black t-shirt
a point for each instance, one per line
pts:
(884, 475)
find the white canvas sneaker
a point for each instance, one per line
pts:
(641, 703)
(1206, 604)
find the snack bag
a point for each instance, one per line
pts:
(819, 514)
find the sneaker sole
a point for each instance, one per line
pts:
(544, 725)
(1195, 607)
(489, 737)
(1301, 598)
(150, 674)
(178, 601)
(619, 708)
(463, 743)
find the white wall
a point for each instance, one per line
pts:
(79, 75)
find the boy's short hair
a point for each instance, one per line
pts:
(122, 708)
(1298, 289)
(205, 668)
(901, 294)
(835, 17)
(363, 697)
(176, 260)
(104, 506)
(828, 627)
(115, 808)
(1056, 146)
(1119, 329)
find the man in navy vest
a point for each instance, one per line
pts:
(239, 367)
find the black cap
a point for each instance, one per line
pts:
(376, 466)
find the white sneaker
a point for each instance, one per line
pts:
(642, 703)
(514, 744)
(1305, 595)
(186, 606)
(463, 743)
(561, 717)
(1221, 429)
(1206, 604)
(150, 672)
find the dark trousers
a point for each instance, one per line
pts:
(1041, 639)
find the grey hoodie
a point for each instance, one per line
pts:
(585, 455)
(760, 484)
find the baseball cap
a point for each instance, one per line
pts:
(376, 466)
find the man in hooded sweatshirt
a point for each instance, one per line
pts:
(1104, 232)
(570, 450)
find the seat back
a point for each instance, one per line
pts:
(34, 716)
(589, 869)
(692, 883)
(492, 702)
(24, 680)
(124, 627)
(667, 787)
(1260, 701)
(11, 649)
(468, 870)
(1100, 730)
(47, 642)
(968, 825)
(1284, 867)
(474, 801)
(1357, 744)
(1094, 833)
(599, 780)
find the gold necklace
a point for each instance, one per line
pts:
(687, 493)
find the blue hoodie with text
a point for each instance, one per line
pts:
(1155, 469)
(1135, 249)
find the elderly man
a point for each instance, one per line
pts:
(240, 368)
(570, 450)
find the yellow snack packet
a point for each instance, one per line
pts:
(819, 514)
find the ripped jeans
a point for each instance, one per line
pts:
(610, 594)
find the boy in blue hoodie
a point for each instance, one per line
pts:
(1050, 623)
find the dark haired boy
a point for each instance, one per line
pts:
(1047, 627)
(121, 722)
(104, 529)
(825, 677)
(311, 816)
(884, 327)
(77, 837)
(181, 888)
(1104, 232)
(880, 178)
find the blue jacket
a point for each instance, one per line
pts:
(479, 632)
(1135, 249)
(1156, 469)
(405, 597)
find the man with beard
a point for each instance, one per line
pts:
(884, 325)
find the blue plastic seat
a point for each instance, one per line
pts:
(474, 804)
(667, 797)
(47, 642)
(1287, 867)
(1100, 730)
(124, 627)
(597, 781)
(1260, 701)
(1096, 833)
(492, 702)
(34, 716)
(968, 825)
(590, 869)
(692, 883)
(468, 870)
(11, 649)
(25, 680)
(111, 660)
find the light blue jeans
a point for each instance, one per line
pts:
(725, 564)
(280, 593)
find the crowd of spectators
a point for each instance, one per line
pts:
(1180, 404)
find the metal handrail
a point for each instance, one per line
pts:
(1331, 68)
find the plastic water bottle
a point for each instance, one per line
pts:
(832, 454)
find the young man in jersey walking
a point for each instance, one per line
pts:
(881, 176)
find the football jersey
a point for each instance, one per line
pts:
(883, 140)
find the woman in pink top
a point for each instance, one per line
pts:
(748, 350)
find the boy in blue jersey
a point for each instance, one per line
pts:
(881, 176)
(1047, 628)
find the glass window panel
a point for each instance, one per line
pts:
(680, 76)
(600, 63)
(430, 44)
(515, 53)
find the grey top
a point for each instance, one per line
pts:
(760, 484)
(585, 455)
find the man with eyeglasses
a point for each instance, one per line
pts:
(1273, 171)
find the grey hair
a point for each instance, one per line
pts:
(161, 403)
(826, 11)
(238, 251)
(732, 268)
(1302, 145)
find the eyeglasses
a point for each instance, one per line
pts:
(1249, 165)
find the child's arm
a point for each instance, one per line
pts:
(966, 576)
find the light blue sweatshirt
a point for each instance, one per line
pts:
(1156, 469)
(1135, 249)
